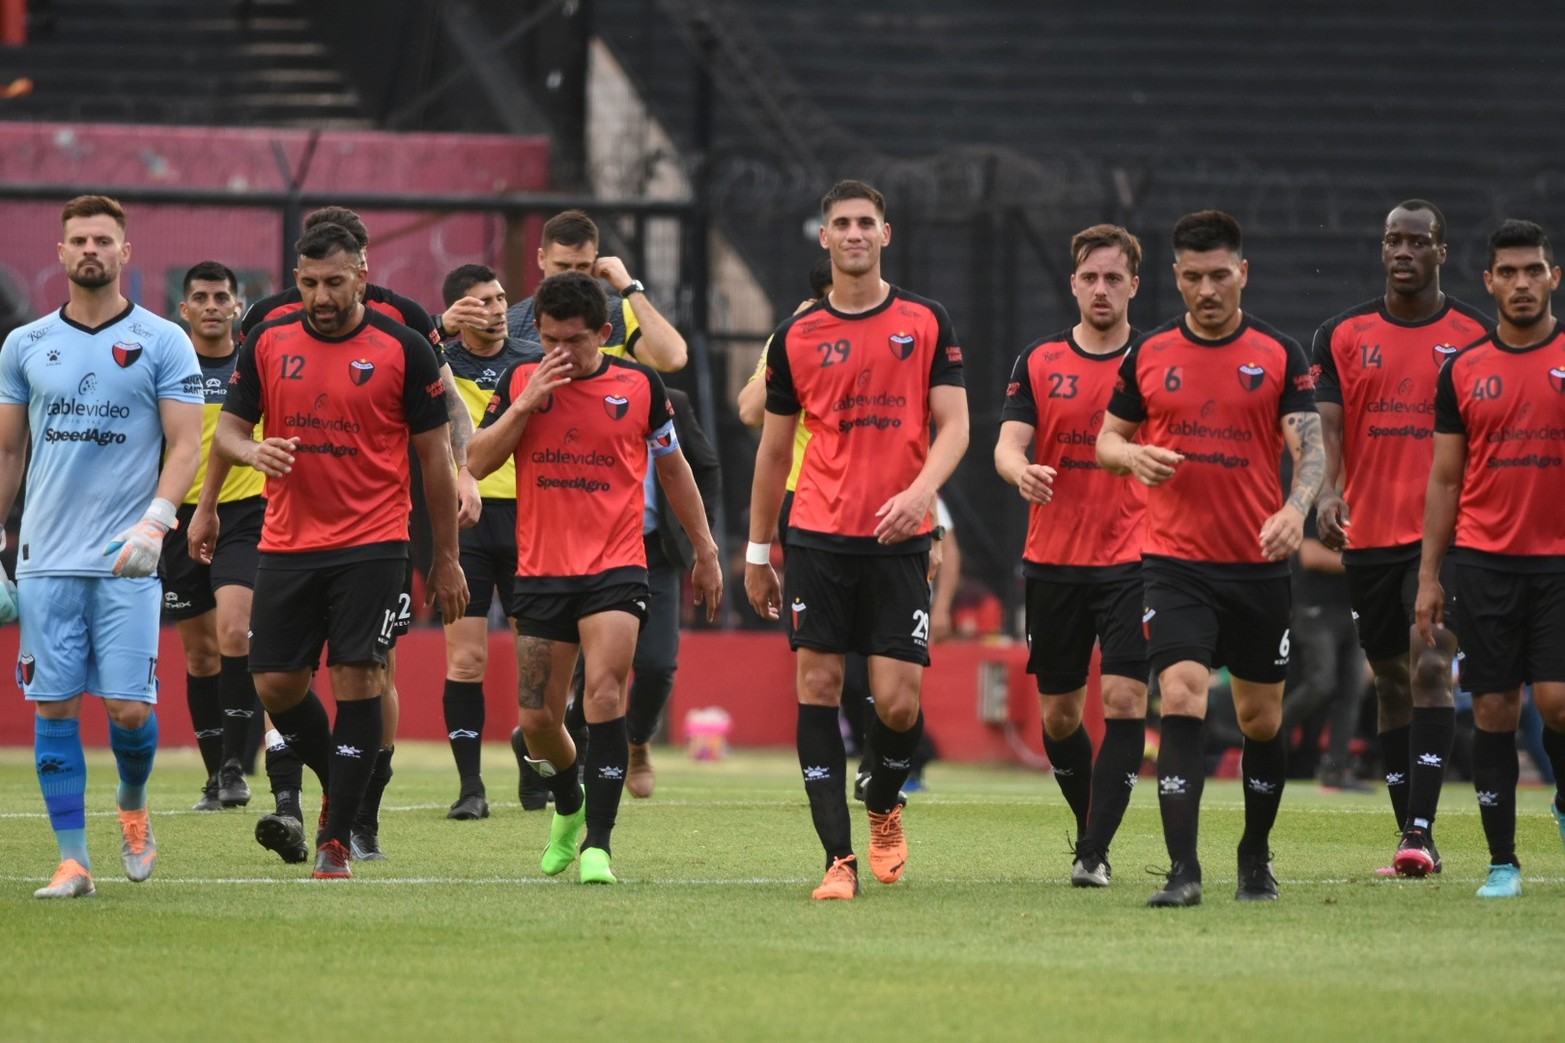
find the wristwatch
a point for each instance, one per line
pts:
(938, 532)
(634, 286)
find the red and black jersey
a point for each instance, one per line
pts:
(1382, 372)
(581, 467)
(1509, 403)
(353, 401)
(1220, 404)
(862, 383)
(1095, 518)
(388, 302)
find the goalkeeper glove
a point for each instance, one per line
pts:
(140, 546)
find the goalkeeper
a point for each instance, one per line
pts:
(94, 390)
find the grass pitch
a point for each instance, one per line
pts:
(712, 934)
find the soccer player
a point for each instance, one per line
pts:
(1082, 561)
(283, 765)
(1497, 483)
(341, 391)
(868, 368)
(477, 357)
(1376, 365)
(579, 426)
(1216, 393)
(94, 392)
(639, 330)
(209, 597)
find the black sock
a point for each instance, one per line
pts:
(563, 783)
(1554, 749)
(576, 719)
(463, 703)
(1181, 777)
(206, 718)
(1113, 777)
(649, 692)
(236, 689)
(1072, 760)
(1496, 769)
(893, 761)
(308, 731)
(368, 819)
(355, 745)
(1429, 748)
(285, 771)
(1395, 754)
(607, 757)
(1264, 768)
(824, 762)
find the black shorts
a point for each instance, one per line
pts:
(873, 604)
(350, 605)
(402, 616)
(188, 584)
(1065, 620)
(1382, 594)
(554, 616)
(1217, 618)
(489, 558)
(1511, 626)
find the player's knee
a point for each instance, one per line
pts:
(1431, 675)
(604, 701)
(466, 665)
(1061, 715)
(129, 715)
(202, 662)
(1261, 723)
(1123, 698)
(820, 686)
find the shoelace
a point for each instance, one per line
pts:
(886, 827)
(135, 834)
(66, 872)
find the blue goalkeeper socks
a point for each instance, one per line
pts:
(62, 776)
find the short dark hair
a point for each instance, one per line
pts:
(1515, 232)
(851, 189)
(1207, 230)
(572, 295)
(210, 271)
(1103, 236)
(93, 206)
(323, 240)
(463, 278)
(342, 217)
(570, 228)
(1436, 226)
(820, 276)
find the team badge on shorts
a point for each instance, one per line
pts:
(902, 346)
(1441, 352)
(125, 355)
(797, 610)
(1250, 376)
(616, 406)
(1146, 624)
(1557, 379)
(360, 371)
(24, 670)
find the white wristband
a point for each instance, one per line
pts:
(162, 512)
(757, 553)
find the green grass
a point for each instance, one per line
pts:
(712, 934)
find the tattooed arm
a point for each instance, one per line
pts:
(1283, 532)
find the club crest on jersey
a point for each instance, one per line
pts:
(360, 371)
(24, 670)
(1557, 379)
(902, 346)
(1250, 376)
(797, 610)
(126, 354)
(1441, 352)
(616, 406)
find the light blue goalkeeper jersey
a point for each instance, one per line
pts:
(97, 439)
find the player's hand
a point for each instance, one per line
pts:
(202, 533)
(468, 313)
(1429, 609)
(902, 516)
(1036, 484)
(1282, 533)
(937, 558)
(9, 606)
(1152, 464)
(940, 627)
(1331, 519)
(612, 271)
(273, 457)
(763, 590)
(707, 578)
(448, 589)
(553, 372)
(469, 505)
(139, 547)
